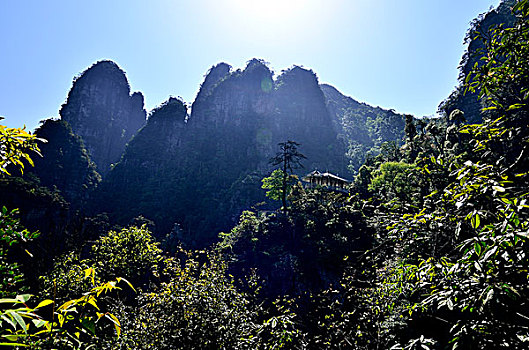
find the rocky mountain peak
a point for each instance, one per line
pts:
(172, 109)
(299, 77)
(258, 75)
(226, 97)
(215, 74)
(298, 90)
(101, 110)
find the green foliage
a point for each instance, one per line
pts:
(449, 268)
(200, 308)
(274, 184)
(454, 273)
(362, 128)
(63, 281)
(248, 225)
(16, 145)
(289, 158)
(431, 253)
(501, 81)
(396, 181)
(11, 235)
(131, 252)
(73, 324)
(463, 99)
(304, 251)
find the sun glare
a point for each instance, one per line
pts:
(270, 20)
(269, 10)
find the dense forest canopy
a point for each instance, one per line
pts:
(426, 249)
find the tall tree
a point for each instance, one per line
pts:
(289, 158)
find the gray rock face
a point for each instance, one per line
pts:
(150, 178)
(214, 76)
(302, 116)
(228, 98)
(102, 111)
(260, 112)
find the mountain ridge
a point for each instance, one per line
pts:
(198, 168)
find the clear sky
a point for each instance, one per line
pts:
(400, 54)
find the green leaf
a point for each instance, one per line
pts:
(119, 279)
(92, 301)
(116, 323)
(489, 253)
(489, 296)
(475, 221)
(515, 106)
(519, 5)
(477, 248)
(14, 344)
(274, 322)
(89, 324)
(523, 234)
(18, 319)
(38, 323)
(23, 298)
(44, 303)
(8, 320)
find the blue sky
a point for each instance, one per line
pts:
(400, 54)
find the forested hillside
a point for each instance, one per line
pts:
(426, 248)
(362, 128)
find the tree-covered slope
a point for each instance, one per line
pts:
(65, 164)
(361, 127)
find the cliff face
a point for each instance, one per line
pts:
(302, 116)
(467, 101)
(258, 112)
(102, 111)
